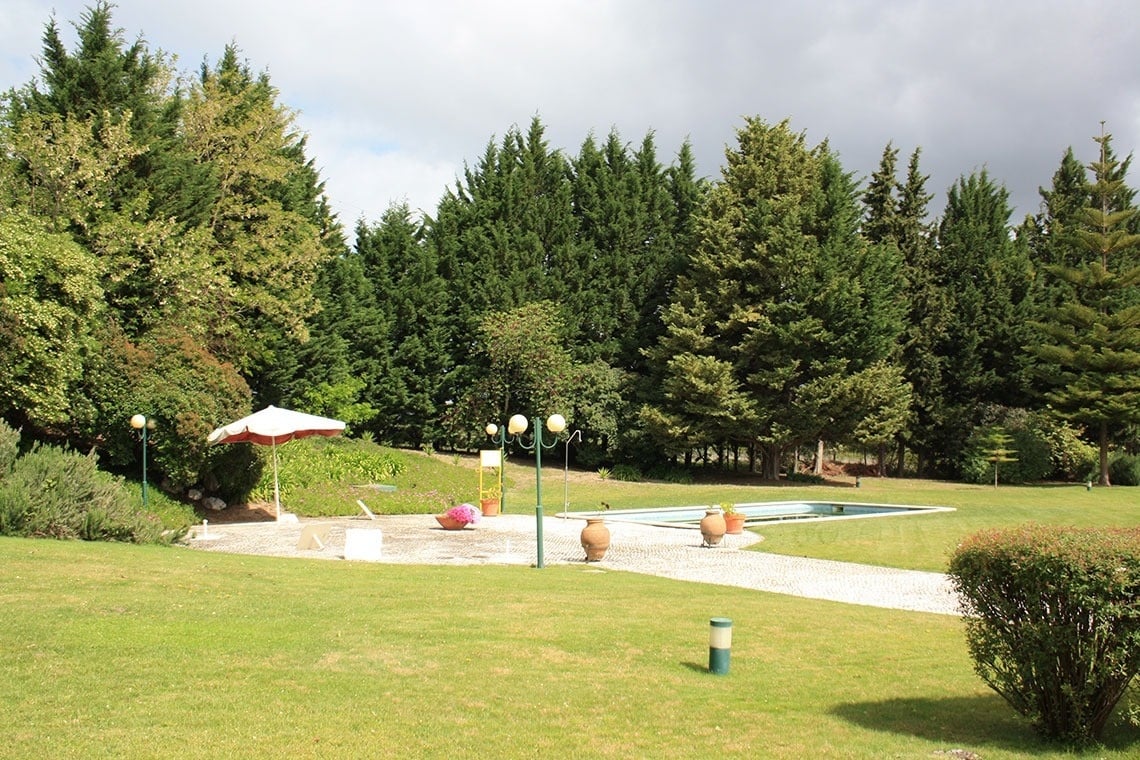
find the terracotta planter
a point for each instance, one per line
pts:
(712, 526)
(490, 507)
(595, 538)
(449, 523)
(734, 523)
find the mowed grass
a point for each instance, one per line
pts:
(122, 651)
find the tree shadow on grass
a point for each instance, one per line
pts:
(981, 721)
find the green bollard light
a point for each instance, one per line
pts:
(720, 645)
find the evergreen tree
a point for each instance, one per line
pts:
(264, 245)
(880, 201)
(926, 322)
(985, 277)
(407, 387)
(1090, 347)
(778, 307)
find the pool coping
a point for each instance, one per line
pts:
(898, 510)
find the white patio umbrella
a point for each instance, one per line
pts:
(272, 426)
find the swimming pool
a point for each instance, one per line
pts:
(761, 513)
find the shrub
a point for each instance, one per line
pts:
(627, 473)
(1043, 446)
(1030, 452)
(9, 447)
(1052, 621)
(808, 478)
(1124, 470)
(312, 461)
(54, 493)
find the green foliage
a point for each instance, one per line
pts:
(1044, 448)
(782, 301)
(173, 380)
(53, 493)
(1088, 344)
(626, 472)
(311, 462)
(49, 299)
(804, 477)
(1052, 622)
(1124, 469)
(987, 449)
(9, 447)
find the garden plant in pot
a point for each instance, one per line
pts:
(459, 517)
(733, 519)
(491, 501)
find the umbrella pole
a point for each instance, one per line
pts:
(276, 488)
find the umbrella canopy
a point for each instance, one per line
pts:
(272, 426)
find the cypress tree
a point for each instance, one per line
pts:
(985, 278)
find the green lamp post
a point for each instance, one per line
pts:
(516, 427)
(142, 424)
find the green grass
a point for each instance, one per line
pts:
(135, 651)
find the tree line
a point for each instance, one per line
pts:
(167, 247)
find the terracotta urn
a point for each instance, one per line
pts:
(490, 507)
(595, 538)
(712, 526)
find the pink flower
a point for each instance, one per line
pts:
(464, 513)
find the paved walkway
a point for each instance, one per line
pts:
(667, 552)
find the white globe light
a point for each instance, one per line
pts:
(138, 421)
(491, 428)
(556, 423)
(517, 424)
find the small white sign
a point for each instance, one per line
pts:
(490, 458)
(363, 543)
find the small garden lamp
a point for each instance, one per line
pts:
(141, 423)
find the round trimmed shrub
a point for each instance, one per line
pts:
(1052, 622)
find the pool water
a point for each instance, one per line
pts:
(761, 513)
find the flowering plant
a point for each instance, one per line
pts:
(464, 513)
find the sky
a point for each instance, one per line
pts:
(397, 97)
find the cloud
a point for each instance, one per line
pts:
(396, 97)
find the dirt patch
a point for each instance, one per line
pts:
(239, 513)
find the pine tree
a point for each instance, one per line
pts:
(1090, 347)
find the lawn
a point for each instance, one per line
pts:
(127, 651)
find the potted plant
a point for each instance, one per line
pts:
(733, 519)
(458, 517)
(490, 501)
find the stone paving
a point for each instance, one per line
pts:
(663, 551)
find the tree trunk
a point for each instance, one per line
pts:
(1104, 481)
(817, 468)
